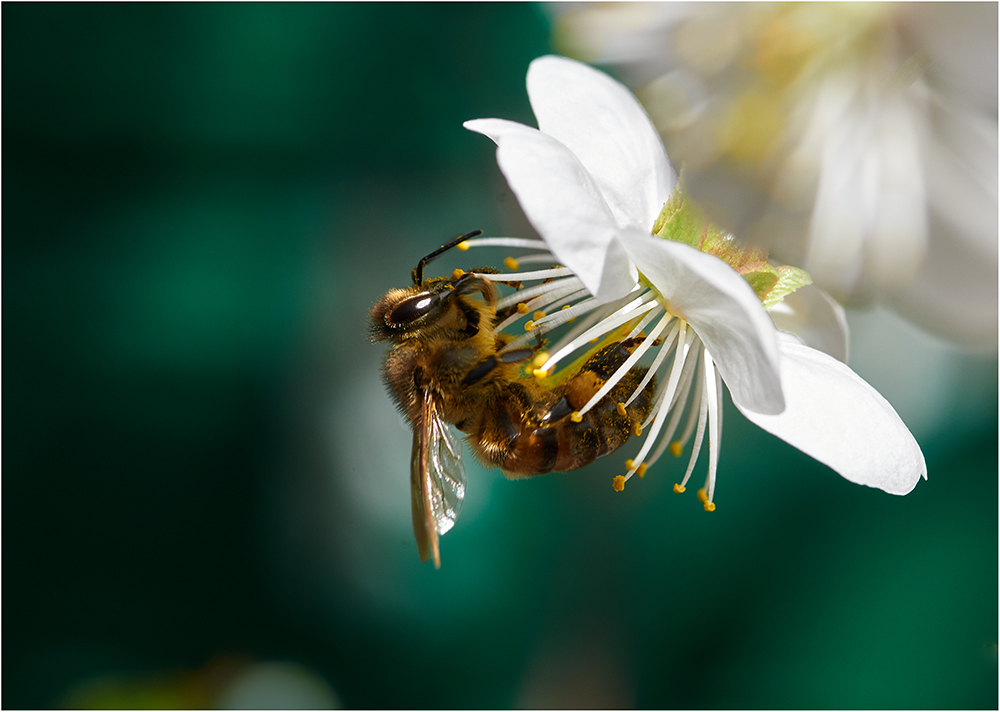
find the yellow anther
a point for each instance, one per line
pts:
(511, 263)
(702, 496)
(637, 428)
(621, 409)
(679, 488)
(540, 358)
(522, 308)
(709, 506)
(457, 273)
(565, 306)
(676, 447)
(529, 325)
(630, 464)
(463, 246)
(618, 483)
(537, 315)
(576, 416)
(540, 373)
(642, 470)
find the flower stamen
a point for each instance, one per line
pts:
(680, 356)
(504, 242)
(627, 366)
(633, 309)
(550, 273)
(562, 286)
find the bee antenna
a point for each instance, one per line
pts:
(418, 271)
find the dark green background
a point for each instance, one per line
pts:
(200, 204)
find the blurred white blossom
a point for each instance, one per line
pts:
(858, 141)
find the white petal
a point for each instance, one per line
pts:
(600, 121)
(725, 312)
(563, 204)
(832, 415)
(815, 318)
(955, 294)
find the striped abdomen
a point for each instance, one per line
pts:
(527, 434)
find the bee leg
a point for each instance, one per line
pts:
(481, 370)
(516, 355)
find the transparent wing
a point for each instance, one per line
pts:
(437, 479)
(447, 475)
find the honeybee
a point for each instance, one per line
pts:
(447, 367)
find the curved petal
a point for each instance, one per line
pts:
(832, 415)
(815, 318)
(563, 204)
(600, 121)
(725, 312)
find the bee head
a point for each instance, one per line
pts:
(403, 313)
(437, 304)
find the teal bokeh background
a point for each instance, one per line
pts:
(201, 202)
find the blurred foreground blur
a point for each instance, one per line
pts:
(855, 140)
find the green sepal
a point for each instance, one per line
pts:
(762, 282)
(789, 279)
(681, 220)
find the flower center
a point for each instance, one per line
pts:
(682, 220)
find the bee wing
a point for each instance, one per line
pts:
(437, 479)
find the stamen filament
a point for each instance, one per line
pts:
(541, 301)
(699, 434)
(684, 341)
(713, 394)
(643, 323)
(504, 242)
(569, 298)
(561, 316)
(602, 312)
(661, 414)
(523, 295)
(629, 363)
(661, 354)
(678, 408)
(633, 309)
(526, 276)
(535, 257)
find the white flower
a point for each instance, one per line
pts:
(856, 140)
(593, 179)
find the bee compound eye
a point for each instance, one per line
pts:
(411, 309)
